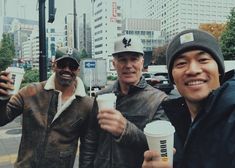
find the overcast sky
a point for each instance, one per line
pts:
(28, 9)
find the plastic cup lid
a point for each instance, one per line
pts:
(107, 96)
(15, 69)
(159, 128)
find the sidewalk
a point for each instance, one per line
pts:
(10, 135)
(9, 142)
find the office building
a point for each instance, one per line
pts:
(148, 30)
(106, 26)
(85, 34)
(178, 15)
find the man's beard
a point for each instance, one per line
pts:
(65, 82)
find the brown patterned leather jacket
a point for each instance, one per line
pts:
(46, 144)
(140, 106)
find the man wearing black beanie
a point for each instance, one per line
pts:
(204, 117)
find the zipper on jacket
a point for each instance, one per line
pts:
(188, 136)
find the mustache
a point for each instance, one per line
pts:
(128, 72)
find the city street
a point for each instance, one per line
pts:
(9, 143)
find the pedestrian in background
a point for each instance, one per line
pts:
(54, 114)
(115, 138)
(204, 117)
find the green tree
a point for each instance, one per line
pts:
(7, 51)
(215, 29)
(30, 76)
(228, 37)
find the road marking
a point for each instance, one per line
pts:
(8, 158)
(4, 135)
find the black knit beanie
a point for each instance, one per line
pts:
(193, 39)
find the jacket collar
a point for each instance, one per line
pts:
(229, 75)
(178, 114)
(80, 89)
(133, 88)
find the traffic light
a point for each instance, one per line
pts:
(51, 10)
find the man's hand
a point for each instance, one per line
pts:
(152, 159)
(112, 121)
(5, 83)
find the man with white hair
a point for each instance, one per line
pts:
(115, 138)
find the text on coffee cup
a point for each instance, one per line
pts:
(163, 148)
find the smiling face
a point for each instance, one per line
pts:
(129, 67)
(195, 74)
(66, 71)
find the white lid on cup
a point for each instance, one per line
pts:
(159, 128)
(107, 96)
(15, 70)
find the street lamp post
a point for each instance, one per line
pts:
(42, 42)
(75, 23)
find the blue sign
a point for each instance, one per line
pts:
(90, 64)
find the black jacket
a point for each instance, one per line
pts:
(208, 141)
(102, 150)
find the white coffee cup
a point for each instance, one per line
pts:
(107, 100)
(16, 74)
(160, 137)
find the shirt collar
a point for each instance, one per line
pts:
(80, 89)
(141, 85)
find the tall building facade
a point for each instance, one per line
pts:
(30, 48)
(148, 30)
(21, 30)
(85, 34)
(69, 31)
(3, 8)
(106, 26)
(178, 15)
(55, 39)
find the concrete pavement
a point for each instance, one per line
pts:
(10, 135)
(9, 143)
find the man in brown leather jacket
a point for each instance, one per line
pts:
(54, 114)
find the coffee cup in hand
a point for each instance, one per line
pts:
(16, 75)
(160, 137)
(107, 100)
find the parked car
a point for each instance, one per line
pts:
(148, 77)
(160, 81)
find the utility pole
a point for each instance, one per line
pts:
(42, 42)
(75, 24)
